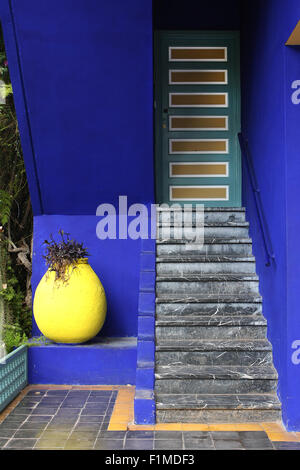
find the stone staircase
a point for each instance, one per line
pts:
(213, 362)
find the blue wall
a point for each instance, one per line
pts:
(87, 76)
(270, 122)
(82, 80)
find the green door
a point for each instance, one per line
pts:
(197, 114)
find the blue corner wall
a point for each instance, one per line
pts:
(82, 80)
(271, 124)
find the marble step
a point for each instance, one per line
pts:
(215, 379)
(206, 327)
(213, 351)
(211, 408)
(212, 246)
(217, 215)
(208, 305)
(224, 230)
(210, 264)
(206, 345)
(203, 357)
(189, 284)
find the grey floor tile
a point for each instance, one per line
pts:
(87, 427)
(92, 412)
(140, 435)
(168, 444)
(168, 435)
(28, 434)
(228, 445)
(286, 445)
(50, 444)
(90, 419)
(200, 443)
(225, 435)
(257, 445)
(45, 411)
(196, 435)
(7, 433)
(84, 435)
(49, 435)
(3, 442)
(138, 444)
(79, 445)
(109, 444)
(33, 426)
(257, 435)
(21, 444)
(22, 410)
(112, 434)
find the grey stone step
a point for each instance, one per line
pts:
(212, 246)
(212, 264)
(209, 305)
(210, 230)
(221, 321)
(218, 215)
(206, 408)
(207, 309)
(216, 372)
(205, 345)
(215, 379)
(218, 402)
(211, 327)
(190, 284)
(217, 416)
(203, 357)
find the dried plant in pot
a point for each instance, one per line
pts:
(69, 303)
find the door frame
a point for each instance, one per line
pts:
(233, 37)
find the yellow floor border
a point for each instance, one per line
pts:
(122, 417)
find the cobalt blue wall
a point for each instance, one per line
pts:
(82, 80)
(270, 122)
(86, 67)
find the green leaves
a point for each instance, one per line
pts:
(5, 206)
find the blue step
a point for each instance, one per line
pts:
(102, 361)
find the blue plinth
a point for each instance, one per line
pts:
(103, 361)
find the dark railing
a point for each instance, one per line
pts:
(257, 198)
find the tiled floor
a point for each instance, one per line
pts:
(48, 418)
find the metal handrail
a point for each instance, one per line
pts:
(257, 198)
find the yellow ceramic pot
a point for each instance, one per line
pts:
(73, 311)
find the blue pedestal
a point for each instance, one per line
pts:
(103, 361)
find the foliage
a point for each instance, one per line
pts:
(60, 255)
(15, 214)
(13, 338)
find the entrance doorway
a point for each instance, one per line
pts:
(197, 118)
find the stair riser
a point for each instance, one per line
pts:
(207, 332)
(209, 287)
(179, 309)
(243, 249)
(208, 386)
(209, 217)
(217, 416)
(209, 232)
(213, 358)
(204, 268)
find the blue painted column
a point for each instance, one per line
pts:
(292, 157)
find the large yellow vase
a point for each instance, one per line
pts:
(72, 311)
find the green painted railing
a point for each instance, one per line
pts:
(13, 375)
